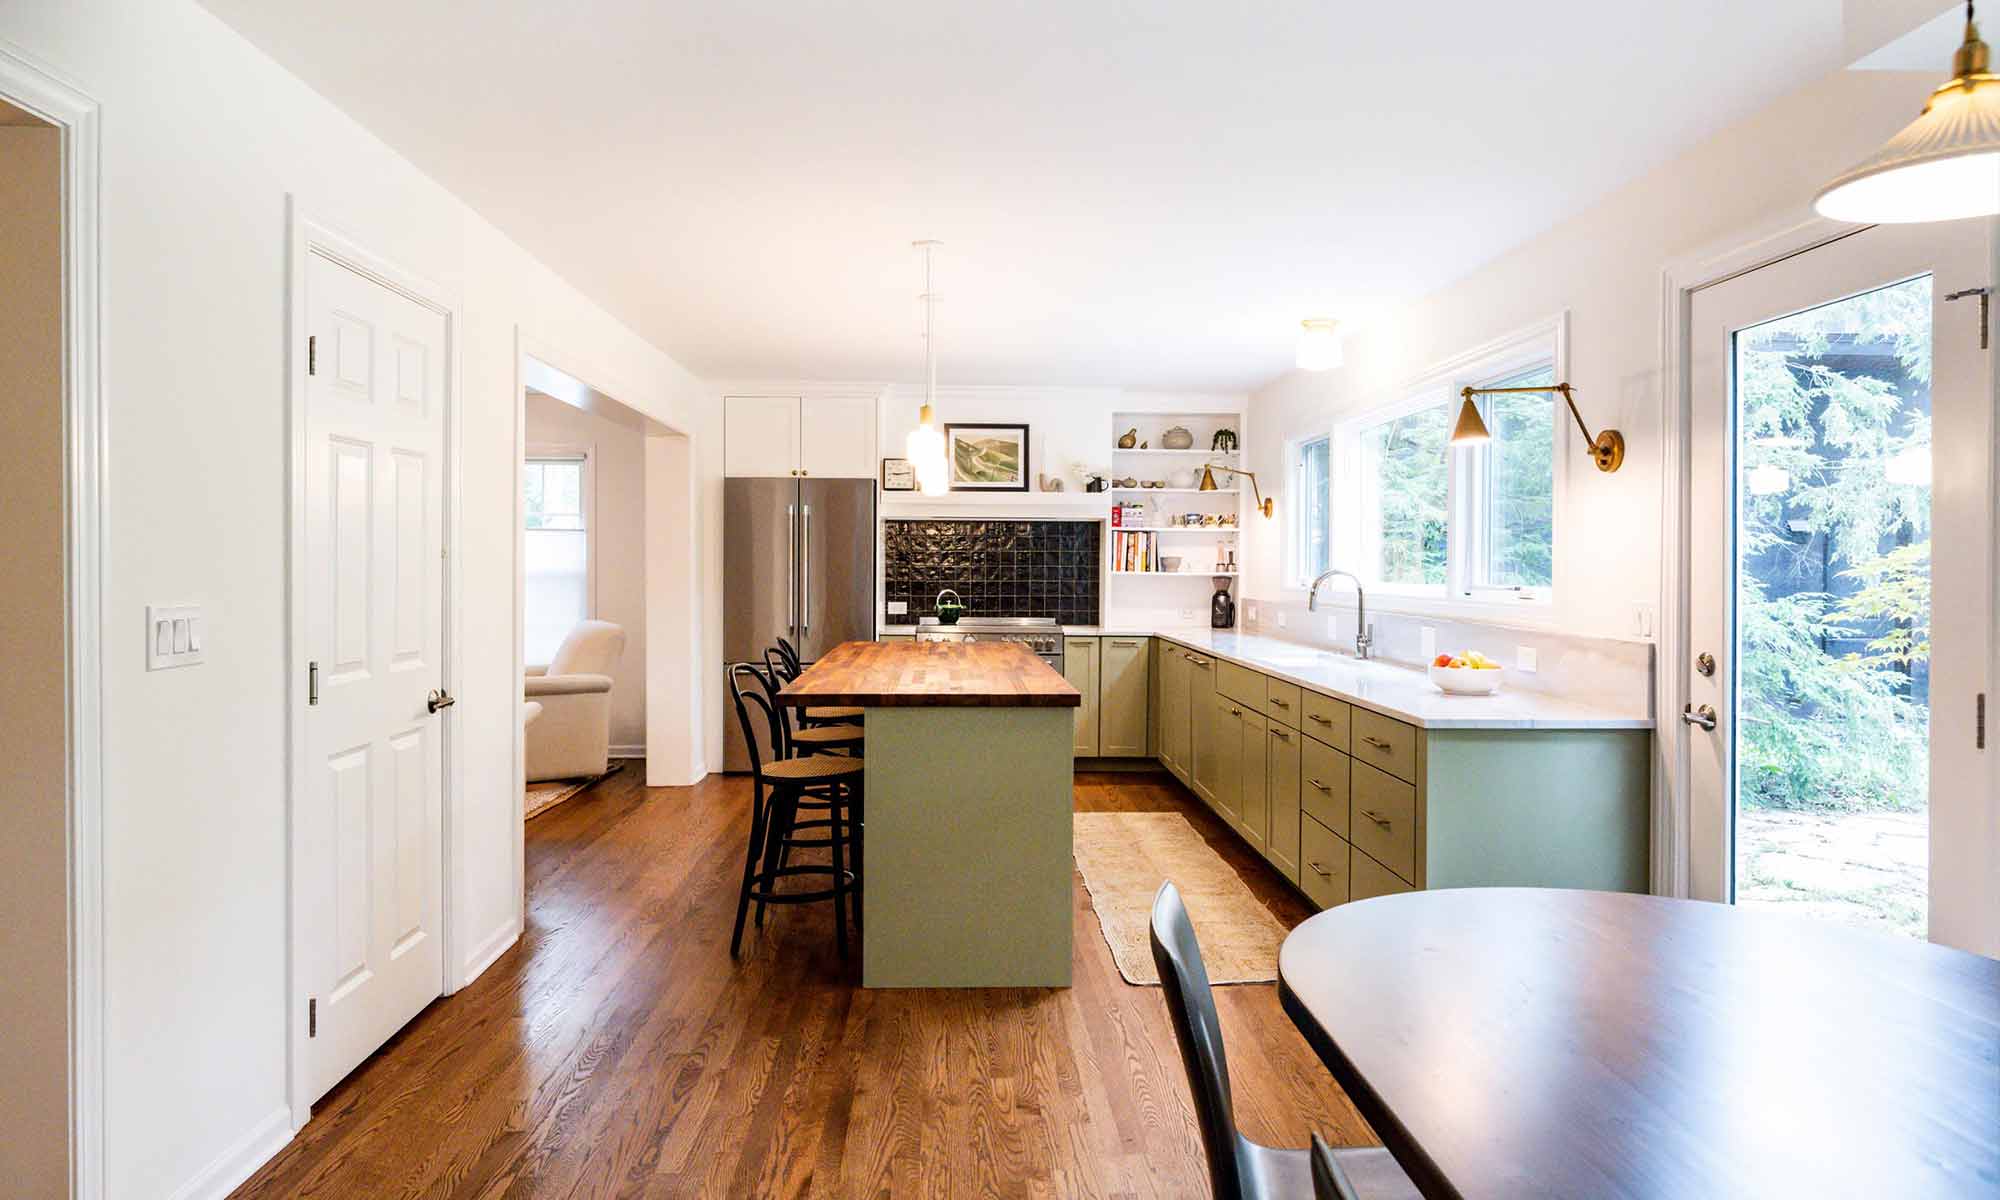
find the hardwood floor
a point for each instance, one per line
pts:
(617, 1050)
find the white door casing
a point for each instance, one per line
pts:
(1958, 255)
(369, 821)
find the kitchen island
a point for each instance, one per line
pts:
(967, 801)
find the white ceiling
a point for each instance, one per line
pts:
(1147, 193)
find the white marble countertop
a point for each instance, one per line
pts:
(1401, 692)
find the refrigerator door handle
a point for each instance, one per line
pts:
(791, 568)
(806, 572)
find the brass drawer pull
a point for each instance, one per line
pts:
(1320, 871)
(1384, 822)
(1322, 787)
(1320, 719)
(1282, 734)
(1128, 645)
(1235, 712)
(1376, 742)
(1281, 703)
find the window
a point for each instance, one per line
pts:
(557, 552)
(1423, 518)
(1312, 548)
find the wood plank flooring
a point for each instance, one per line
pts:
(618, 1051)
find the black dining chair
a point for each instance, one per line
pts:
(780, 788)
(1238, 1168)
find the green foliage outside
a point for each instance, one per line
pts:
(1819, 729)
(1412, 482)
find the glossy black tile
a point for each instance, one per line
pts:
(999, 568)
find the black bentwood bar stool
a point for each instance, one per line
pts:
(831, 735)
(788, 667)
(780, 787)
(1238, 1168)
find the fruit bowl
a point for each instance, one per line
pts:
(1467, 681)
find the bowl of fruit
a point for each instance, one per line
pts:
(1467, 674)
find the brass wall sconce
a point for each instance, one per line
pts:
(1208, 484)
(1607, 449)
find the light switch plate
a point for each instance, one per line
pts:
(1524, 659)
(175, 636)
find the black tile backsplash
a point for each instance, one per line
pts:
(999, 568)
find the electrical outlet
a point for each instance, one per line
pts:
(1428, 636)
(1524, 659)
(1642, 620)
(1250, 611)
(1189, 615)
(1281, 618)
(899, 608)
(174, 636)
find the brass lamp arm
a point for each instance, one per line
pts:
(1607, 447)
(1263, 505)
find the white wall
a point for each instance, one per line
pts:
(617, 541)
(203, 141)
(34, 1012)
(1604, 267)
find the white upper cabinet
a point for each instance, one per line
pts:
(825, 437)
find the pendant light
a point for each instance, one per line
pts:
(1944, 165)
(924, 446)
(1319, 344)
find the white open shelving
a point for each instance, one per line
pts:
(1164, 504)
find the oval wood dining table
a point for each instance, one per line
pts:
(1515, 1042)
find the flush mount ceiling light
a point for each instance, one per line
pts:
(924, 446)
(1607, 449)
(1319, 344)
(1944, 165)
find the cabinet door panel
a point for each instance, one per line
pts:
(1253, 796)
(837, 437)
(1323, 869)
(1281, 782)
(1368, 878)
(1209, 711)
(760, 436)
(1124, 683)
(1176, 747)
(1080, 668)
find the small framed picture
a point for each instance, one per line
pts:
(898, 475)
(987, 458)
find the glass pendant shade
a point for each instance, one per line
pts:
(1471, 428)
(1319, 344)
(924, 447)
(1943, 166)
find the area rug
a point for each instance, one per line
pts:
(1124, 857)
(541, 797)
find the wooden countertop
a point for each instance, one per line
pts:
(942, 674)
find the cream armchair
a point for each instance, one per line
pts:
(572, 736)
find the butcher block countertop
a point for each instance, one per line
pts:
(931, 674)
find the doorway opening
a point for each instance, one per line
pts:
(583, 584)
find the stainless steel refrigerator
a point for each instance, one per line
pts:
(798, 562)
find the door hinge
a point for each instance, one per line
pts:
(1985, 304)
(1979, 723)
(312, 355)
(312, 1018)
(312, 684)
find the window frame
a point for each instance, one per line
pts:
(1463, 589)
(1298, 573)
(567, 452)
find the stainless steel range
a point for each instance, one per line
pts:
(1040, 634)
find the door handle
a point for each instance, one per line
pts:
(805, 569)
(439, 698)
(791, 568)
(1703, 716)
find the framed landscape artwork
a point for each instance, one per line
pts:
(987, 458)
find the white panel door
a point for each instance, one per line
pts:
(371, 819)
(837, 437)
(1842, 427)
(760, 436)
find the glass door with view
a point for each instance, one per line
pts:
(1841, 431)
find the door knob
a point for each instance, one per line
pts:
(440, 699)
(1703, 716)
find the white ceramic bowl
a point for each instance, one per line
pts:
(1466, 681)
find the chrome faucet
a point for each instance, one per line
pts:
(1364, 633)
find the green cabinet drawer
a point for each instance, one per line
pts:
(1326, 719)
(1323, 784)
(1240, 684)
(1367, 878)
(1281, 779)
(1281, 701)
(1323, 866)
(1384, 743)
(1384, 819)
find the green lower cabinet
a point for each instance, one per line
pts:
(1367, 878)
(1281, 786)
(1324, 867)
(1254, 800)
(1124, 684)
(1204, 735)
(1221, 766)
(1080, 668)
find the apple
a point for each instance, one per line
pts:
(1442, 660)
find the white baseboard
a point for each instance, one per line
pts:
(628, 752)
(487, 952)
(241, 1159)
